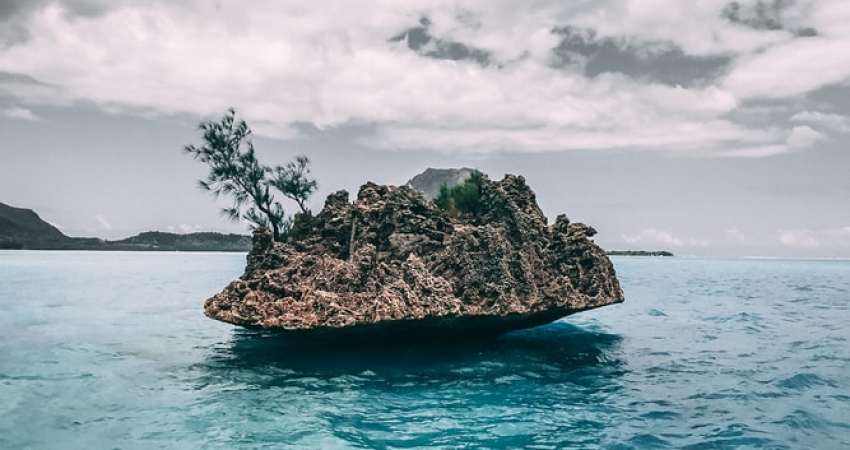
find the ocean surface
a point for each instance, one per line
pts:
(112, 351)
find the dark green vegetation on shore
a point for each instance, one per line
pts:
(23, 229)
(639, 253)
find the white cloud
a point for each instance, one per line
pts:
(652, 236)
(697, 27)
(331, 63)
(15, 112)
(790, 69)
(757, 151)
(186, 228)
(831, 238)
(102, 223)
(834, 122)
(803, 137)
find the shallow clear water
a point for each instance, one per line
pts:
(112, 351)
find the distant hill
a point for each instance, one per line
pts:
(429, 181)
(192, 242)
(23, 229)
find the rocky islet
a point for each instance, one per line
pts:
(392, 266)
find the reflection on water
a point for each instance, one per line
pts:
(556, 349)
(534, 387)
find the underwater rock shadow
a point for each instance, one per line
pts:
(558, 347)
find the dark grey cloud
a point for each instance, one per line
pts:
(764, 16)
(10, 9)
(421, 41)
(88, 8)
(13, 13)
(14, 8)
(831, 99)
(670, 65)
(836, 97)
(11, 83)
(12, 33)
(581, 48)
(12, 28)
(19, 78)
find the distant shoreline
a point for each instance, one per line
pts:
(663, 253)
(143, 242)
(23, 229)
(88, 250)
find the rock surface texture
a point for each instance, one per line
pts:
(391, 266)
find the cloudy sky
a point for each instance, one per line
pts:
(703, 127)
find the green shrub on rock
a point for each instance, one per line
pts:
(463, 199)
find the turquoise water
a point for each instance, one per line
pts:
(112, 351)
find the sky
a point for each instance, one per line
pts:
(707, 128)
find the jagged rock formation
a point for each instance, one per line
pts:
(392, 266)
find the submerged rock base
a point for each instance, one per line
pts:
(391, 266)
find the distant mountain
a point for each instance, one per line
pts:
(23, 229)
(429, 181)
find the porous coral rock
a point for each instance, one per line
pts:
(392, 266)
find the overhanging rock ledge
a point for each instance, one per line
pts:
(392, 266)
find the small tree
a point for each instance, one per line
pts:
(463, 198)
(235, 171)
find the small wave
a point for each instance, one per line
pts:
(649, 441)
(661, 415)
(805, 381)
(48, 377)
(806, 420)
(738, 442)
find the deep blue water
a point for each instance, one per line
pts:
(112, 351)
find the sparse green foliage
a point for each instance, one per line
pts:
(461, 199)
(236, 172)
(293, 181)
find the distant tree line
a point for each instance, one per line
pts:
(7, 243)
(640, 253)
